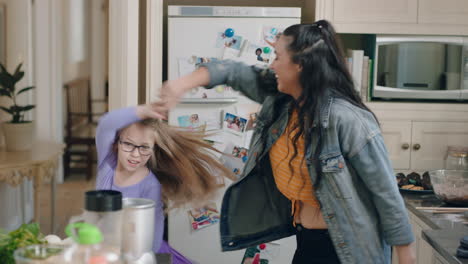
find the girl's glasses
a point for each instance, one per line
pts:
(129, 147)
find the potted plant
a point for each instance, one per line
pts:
(18, 132)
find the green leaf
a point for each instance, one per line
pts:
(33, 228)
(5, 92)
(26, 108)
(25, 89)
(3, 68)
(6, 110)
(7, 81)
(18, 68)
(18, 76)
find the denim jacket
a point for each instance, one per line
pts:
(358, 193)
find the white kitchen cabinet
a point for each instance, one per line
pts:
(438, 259)
(430, 141)
(372, 11)
(397, 137)
(447, 12)
(421, 145)
(425, 254)
(417, 17)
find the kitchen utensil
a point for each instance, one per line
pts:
(416, 191)
(138, 231)
(88, 246)
(103, 208)
(444, 209)
(451, 186)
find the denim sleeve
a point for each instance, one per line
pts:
(374, 167)
(254, 82)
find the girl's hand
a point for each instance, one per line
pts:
(152, 110)
(173, 90)
(406, 254)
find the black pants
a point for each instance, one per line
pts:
(314, 246)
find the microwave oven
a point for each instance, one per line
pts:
(421, 68)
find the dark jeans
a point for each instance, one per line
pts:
(314, 246)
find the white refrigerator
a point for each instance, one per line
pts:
(203, 33)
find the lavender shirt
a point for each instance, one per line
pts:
(148, 188)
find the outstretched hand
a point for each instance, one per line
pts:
(173, 90)
(152, 110)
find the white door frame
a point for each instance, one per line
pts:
(123, 53)
(48, 69)
(154, 47)
(47, 60)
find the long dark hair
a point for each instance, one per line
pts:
(317, 49)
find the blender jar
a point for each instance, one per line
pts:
(103, 209)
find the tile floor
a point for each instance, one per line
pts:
(69, 202)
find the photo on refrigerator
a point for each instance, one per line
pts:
(234, 123)
(204, 216)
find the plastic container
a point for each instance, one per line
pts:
(88, 247)
(456, 158)
(103, 209)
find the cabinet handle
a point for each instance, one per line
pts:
(405, 146)
(416, 146)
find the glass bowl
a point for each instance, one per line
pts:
(451, 186)
(39, 254)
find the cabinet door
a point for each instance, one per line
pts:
(430, 141)
(452, 12)
(424, 252)
(397, 11)
(397, 137)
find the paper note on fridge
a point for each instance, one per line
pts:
(186, 66)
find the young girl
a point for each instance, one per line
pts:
(142, 157)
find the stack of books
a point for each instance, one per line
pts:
(360, 67)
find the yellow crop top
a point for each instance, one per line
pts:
(296, 185)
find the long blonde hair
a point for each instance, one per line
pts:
(184, 165)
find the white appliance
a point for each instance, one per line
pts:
(421, 68)
(199, 33)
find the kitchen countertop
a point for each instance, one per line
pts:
(447, 229)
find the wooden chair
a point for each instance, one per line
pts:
(80, 129)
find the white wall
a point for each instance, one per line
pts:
(98, 53)
(18, 49)
(123, 53)
(76, 39)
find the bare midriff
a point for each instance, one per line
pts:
(310, 217)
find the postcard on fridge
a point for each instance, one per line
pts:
(204, 216)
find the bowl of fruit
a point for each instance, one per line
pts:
(414, 182)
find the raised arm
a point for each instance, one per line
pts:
(108, 127)
(255, 83)
(115, 120)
